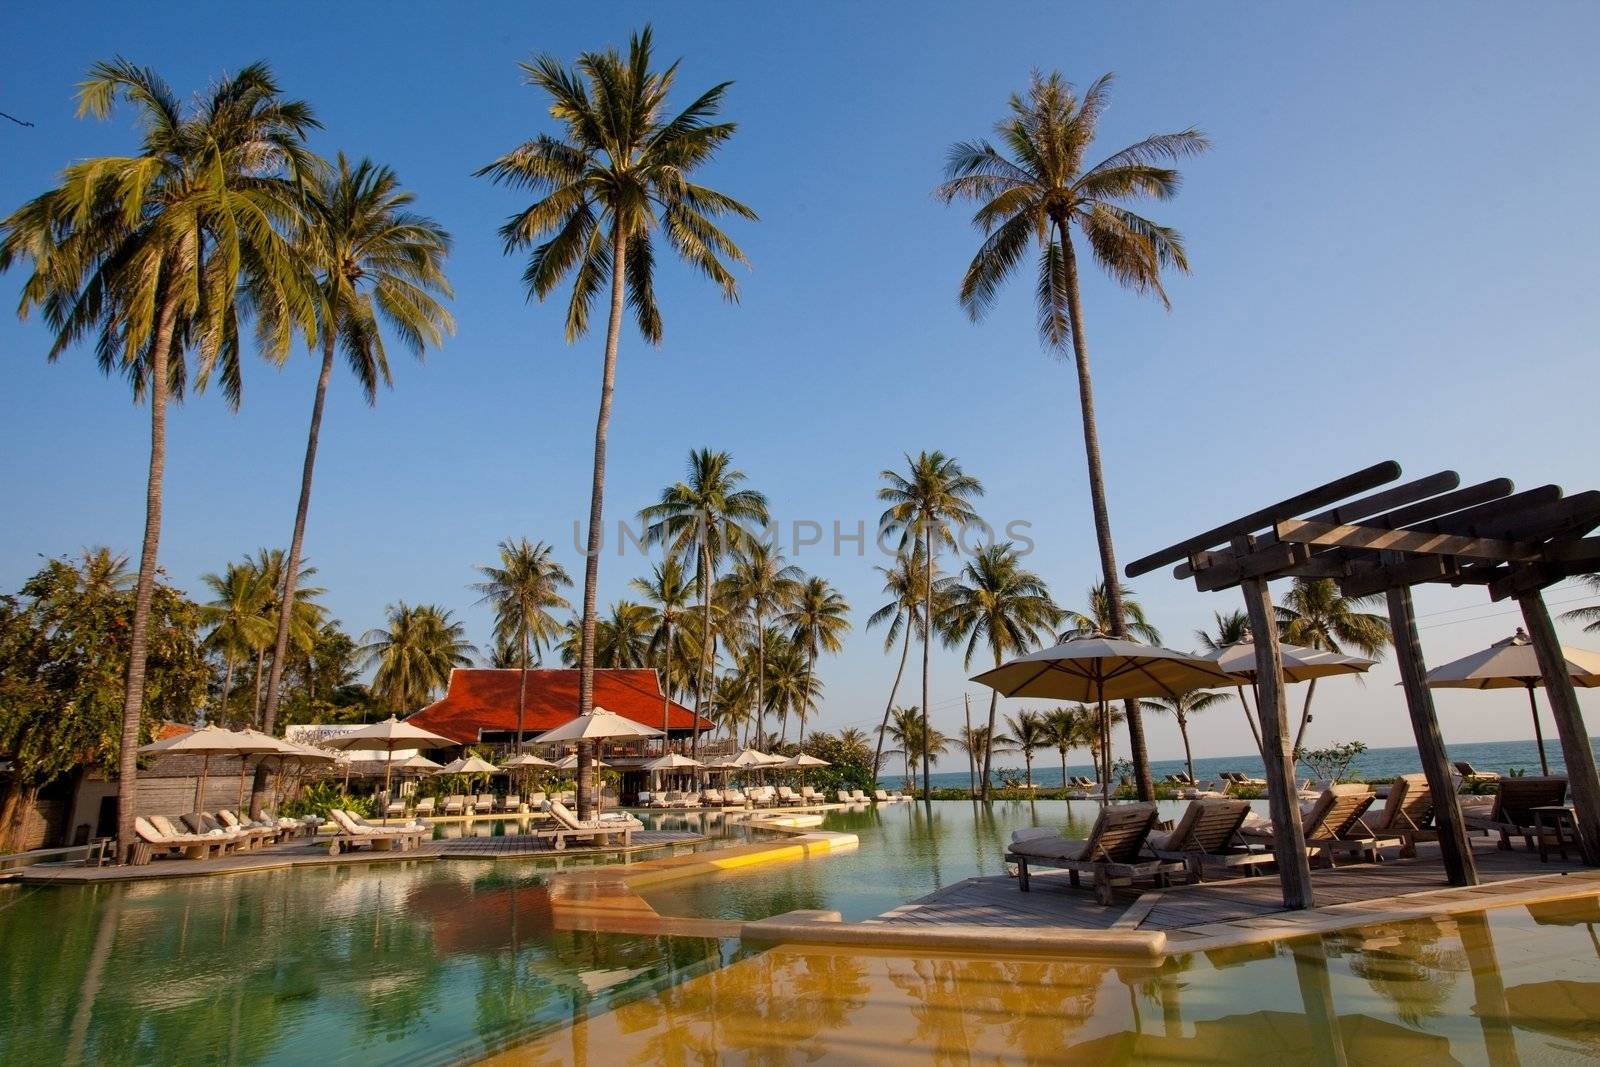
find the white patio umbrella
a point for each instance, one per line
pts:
(1100, 669)
(418, 765)
(1299, 665)
(598, 724)
(389, 735)
(800, 761)
(527, 759)
(672, 761)
(206, 742)
(1513, 664)
(570, 763)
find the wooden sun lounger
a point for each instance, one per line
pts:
(456, 804)
(1406, 818)
(1330, 825)
(1207, 836)
(1510, 814)
(1111, 852)
(154, 842)
(599, 831)
(424, 807)
(355, 831)
(201, 822)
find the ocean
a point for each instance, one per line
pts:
(1501, 756)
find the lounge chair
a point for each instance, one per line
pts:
(265, 833)
(455, 804)
(880, 796)
(395, 810)
(843, 795)
(1207, 836)
(512, 804)
(424, 808)
(711, 797)
(809, 795)
(1238, 778)
(154, 842)
(1332, 817)
(599, 831)
(858, 797)
(734, 798)
(354, 831)
(1472, 774)
(483, 804)
(789, 796)
(1407, 814)
(1111, 852)
(1511, 813)
(536, 800)
(202, 822)
(895, 794)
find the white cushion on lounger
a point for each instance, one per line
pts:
(1028, 833)
(1049, 847)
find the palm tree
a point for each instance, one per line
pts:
(1067, 728)
(1029, 733)
(908, 728)
(1183, 707)
(414, 652)
(730, 703)
(301, 622)
(621, 638)
(705, 517)
(1589, 614)
(153, 255)
(903, 581)
(622, 173)
(763, 585)
(1231, 629)
(997, 603)
(922, 505)
(668, 591)
(375, 263)
(524, 589)
(238, 619)
(1316, 615)
(976, 742)
(1097, 618)
(791, 686)
(818, 620)
(1041, 191)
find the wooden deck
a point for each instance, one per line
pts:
(996, 900)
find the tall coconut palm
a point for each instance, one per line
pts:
(1183, 707)
(706, 517)
(414, 651)
(1589, 614)
(376, 264)
(618, 182)
(524, 590)
(817, 623)
(1039, 187)
(975, 741)
(302, 621)
(1231, 628)
(1030, 735)
(1315, 614)
(908, 728)
(1069, 727)
(997, 603)
(621, 641)
(791, 687)
(238, 620)
(764, 586)
(1097, 617)
(669, 592)
(933, 496)
(159, 253)
(903, 580)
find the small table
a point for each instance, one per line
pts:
(1556, 818)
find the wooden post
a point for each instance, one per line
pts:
(1583, 784)
(1288, 838)
(1456, 850)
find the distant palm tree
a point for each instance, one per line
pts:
(923, 504)
(1589, 614)
(303, 621)
(1067, 728)
(414, 653)
(374, 262)
(524, 590)
(238, 621)
(1039, 188)
(976, 742)
(995, 602)
(765, 586)
(158, 253)
(1029, 731)
(1183, 707)
(705, 518)
(1096, 619)
(908, 728)
(621, 638)
(791, 685)
(818, 620)
(668, 591)
(621, 175)
(1316, 615)
(1232, 628)
(904, 581)
(730, 703)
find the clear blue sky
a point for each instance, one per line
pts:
(1393, 249)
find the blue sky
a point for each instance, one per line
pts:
(1393, 256)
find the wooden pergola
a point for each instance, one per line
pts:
(1385, 540)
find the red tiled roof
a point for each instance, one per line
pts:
(486, 699)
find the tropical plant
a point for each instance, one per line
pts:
(1040, 188)
(621, 638)
(240, 627)
(817, 623)
(706, 517)
(998, 604)
(303, 620)
(158, 253)
(1097, 620)
(668, 592)
(1315, 614)
(1029, 732)
(903, 580)
(1067, 728)
(791, 685)
(924, 504)
(762, 585)
(908, 729)
(977, 742)
(1332, 763)
(1589, 614)
(1231, 629)
(375, 263)
(524, 589)
(414, 654)
(1183, 707)
(622, 173)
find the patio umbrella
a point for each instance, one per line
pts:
(419, 765)
(280, 748)
(389, 735)
(1513, 664)
(1101, 669)
(525, 762)
(206, 742)
(1299, 665)
(597, 724)
(570, 763)
(800, 761)
(672, 761)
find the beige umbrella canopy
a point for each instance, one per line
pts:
(469, 765)
(597, 724)
(672, 761)
(1299, 664)
(1513, 664)
(527, 759)
(570, 763)
(389, 735)
(418, 765)
(210, 741)
(803, 760)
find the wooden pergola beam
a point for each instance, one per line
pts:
(1414, 542)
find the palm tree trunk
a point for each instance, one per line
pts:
(145, 588)
(227, 687)
(883, 730)
(261, 666)
(1097, 500)
(972, 757)
(1063, 769)
(761, 674)
(666, 690)
(291, 565)
(1027, 763)
(988, 741)
(1255, 731)
(705, 638)
(522, 694)
(927, 639)
(597, 493)
(805, 698)
(1305, 715)
(1188, 757)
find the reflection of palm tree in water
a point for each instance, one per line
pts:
(1411, 965)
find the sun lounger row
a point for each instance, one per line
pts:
(205, 835)
(355, 832)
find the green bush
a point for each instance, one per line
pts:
(318, 797)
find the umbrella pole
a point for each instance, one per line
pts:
(1105, 745)
(1538, 733)
(388, 766)
(200, 786)
(244, 765)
